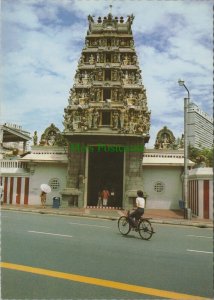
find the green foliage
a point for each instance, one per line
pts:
(203, 157)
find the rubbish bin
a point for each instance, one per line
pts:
(56, 202)
(181, 204)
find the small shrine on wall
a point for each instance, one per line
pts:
(165, 140)
(52, 136)
(107, 109)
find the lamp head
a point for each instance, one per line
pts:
(180, 82)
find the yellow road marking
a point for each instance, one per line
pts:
(101, 282)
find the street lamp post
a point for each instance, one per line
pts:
(185, 182)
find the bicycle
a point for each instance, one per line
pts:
(143, 227)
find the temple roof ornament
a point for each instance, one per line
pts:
(110, 22)
(52, 137)
(165, 139)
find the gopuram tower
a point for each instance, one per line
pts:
(106, 122)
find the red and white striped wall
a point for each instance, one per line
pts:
(15, 190)
(201, 194)
(206, 198)
(193, 197)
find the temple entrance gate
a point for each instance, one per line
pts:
(105, 170)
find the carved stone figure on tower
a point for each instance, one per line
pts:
(98, 57)
(91, 59)
(115, 120)
(77, 77)
(122, 117)
(100, 75)
(95, 118)
(132, 125)
(114, 75)
(90, 117)
(126, 60)
(99, 95)
(115, 94)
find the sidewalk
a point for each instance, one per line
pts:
(161, 216)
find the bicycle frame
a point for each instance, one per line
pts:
(143, 226)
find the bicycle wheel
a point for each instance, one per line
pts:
(123, 225)
(145, 229)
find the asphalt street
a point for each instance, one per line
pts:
(64, 257)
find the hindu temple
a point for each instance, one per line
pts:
(106, 121)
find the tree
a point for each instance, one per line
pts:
(202, 157)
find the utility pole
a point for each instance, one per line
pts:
(187, 212)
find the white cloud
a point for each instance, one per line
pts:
(42, 42)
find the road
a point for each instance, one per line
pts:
(59, 257)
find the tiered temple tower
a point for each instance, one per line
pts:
(107, 120)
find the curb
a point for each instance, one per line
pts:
(182, 223)
(112, 218)
(61, 213)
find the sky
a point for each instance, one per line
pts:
(42, 42)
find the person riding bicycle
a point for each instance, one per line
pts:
(139, 211)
